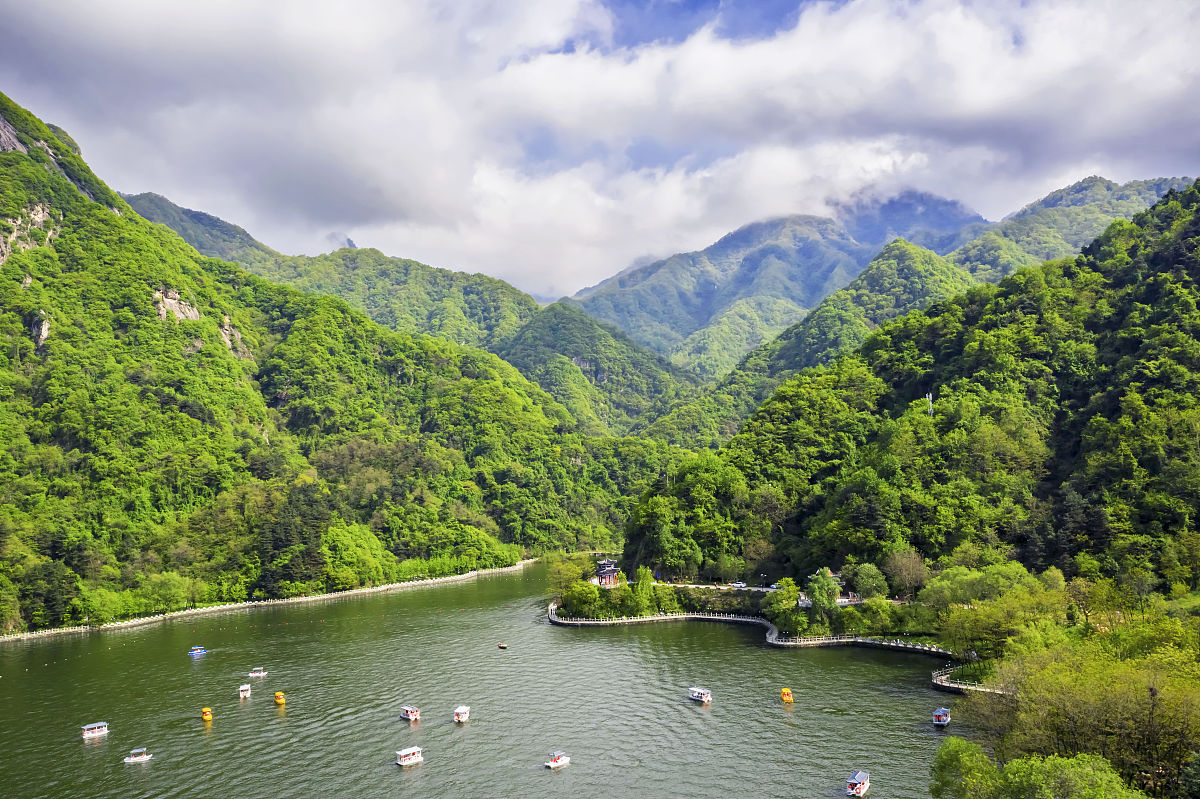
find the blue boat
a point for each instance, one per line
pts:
(197, 651)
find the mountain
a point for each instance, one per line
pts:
(607, 380)
(1061, 428)
(1052, 227)
(902, 278)
(706, 309)
(602, 377)
(402, 294)
(1059, 224)
(175, 430)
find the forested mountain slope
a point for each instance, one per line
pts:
(1053, 227)
(902, 278)
(1058, 225)
(604, 379)
(1063, 425)
(706, 309)
(402, 294)
(174, 429)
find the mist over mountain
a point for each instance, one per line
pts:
(903, 278)
(706, 309)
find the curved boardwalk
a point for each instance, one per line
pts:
(940, 679)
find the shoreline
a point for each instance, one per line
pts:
(250, 604)
(939, 680)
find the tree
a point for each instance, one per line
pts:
(782, 607)
(822, 592)
(581, 599)
(906, 570)
(563, 572)
(961, 770)
(869, 581)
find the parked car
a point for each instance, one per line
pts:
(739, 584)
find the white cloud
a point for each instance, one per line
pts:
(511, 138)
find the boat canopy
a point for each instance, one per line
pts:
(409, 708)
(412, 750)
(557, 753)
(859, 777)
(97, 725)
(462, 709)
(141, 751)
(942, 711)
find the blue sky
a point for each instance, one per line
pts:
(553, 142)
(663, 20)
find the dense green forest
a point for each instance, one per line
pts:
(607, 381)
(175, 430)
(903, 277)
(901, 280)
(1061, 427)
(706, 309)
(402, 294)
(594, 369)
(1058, 225)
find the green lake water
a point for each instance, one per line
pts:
(614, 698)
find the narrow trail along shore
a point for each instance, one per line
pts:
(141, 621)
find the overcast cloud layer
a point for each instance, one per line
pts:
(551, 142)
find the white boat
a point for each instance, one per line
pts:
(410, 712)
(558, 759)
(257, 671)
(244, 691)
(858, 784)
(941, 716)
(702, 695)
(462, 713)
(410, 756)
(95, 730)
(138, 756)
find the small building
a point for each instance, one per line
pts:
(606, 573)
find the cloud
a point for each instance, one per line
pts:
(539, 142)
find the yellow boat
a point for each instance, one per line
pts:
(279, 699)
(206, 714)
(786, 695)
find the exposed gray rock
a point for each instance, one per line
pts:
(40, 328)
(233, 341)
(167, 300)
(8, 138)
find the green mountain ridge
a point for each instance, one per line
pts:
(902, 278)
(570, 354)
(607, 387)
(403, 294)
(706, 309)
(174, 429)
(844, 319)
(1061, 429)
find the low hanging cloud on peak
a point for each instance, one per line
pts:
(552, 142)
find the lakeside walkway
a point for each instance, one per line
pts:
(260, 603)
(940, 679)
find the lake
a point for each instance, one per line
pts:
(614, 698)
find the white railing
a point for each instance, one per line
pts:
(940, 678)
